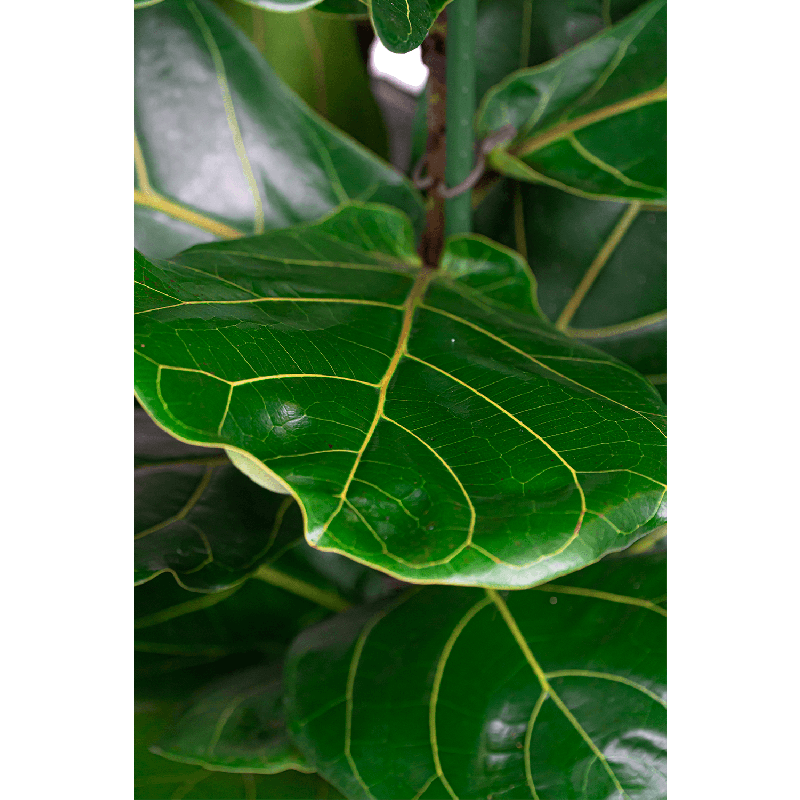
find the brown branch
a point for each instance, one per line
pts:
(433, 56)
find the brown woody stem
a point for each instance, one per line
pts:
(433, 56)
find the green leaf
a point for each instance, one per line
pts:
(177, 629)
(593, 121)
(200, 518)
(280, 5)
(156, 778)
(600, 267)
(514, 34)
(223, 148)
(553, 693)
(352, 8)
(236, 725)
(402, 26)
(431, 424)
(318, 57)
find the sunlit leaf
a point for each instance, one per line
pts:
(552, 693)
(432, 424)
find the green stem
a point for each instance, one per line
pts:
(461, 43)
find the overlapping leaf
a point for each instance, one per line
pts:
(400, 24)
(600, 267)
(318, 57)
(552, 693)
(200, 518)
(156, 778)
(430, 423)
(236, 725)
(223, 148)
(592, 121)
(515, 34)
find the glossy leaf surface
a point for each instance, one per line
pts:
(592, 121)
(200, 518)
(236, 725)
(554, 693)
(431, 424)
(402, 24)
(223, 149)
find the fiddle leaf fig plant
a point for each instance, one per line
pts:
(401, 438)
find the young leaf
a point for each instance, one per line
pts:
(403, 26)
(236, 725)
(556, 692)
(223, 149)
(431, 424)
(593, 121)
(200, 518)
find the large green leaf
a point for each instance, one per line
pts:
(430, 423)
(236, 725)
(199, 517)
(223, 148)
(156, 778)
(555, 693)
(593, 121)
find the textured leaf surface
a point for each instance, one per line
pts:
(432, 424)
(593, 121)
(223, 149)
(200, 518)
(236, 725)
(552, 693)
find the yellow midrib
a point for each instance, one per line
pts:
(566, 128)
(158, 202)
